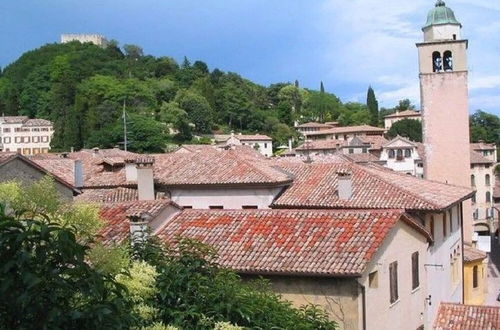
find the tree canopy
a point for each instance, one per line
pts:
(408, 128)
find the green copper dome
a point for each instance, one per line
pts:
(441, 15)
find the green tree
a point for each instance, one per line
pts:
(409, 128)
(404, 105)
(485, 127)
(46, 281)
(197, 108)
(372, 104)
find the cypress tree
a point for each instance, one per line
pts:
(372, 104)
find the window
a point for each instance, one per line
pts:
(391, 153)
(351, 151)
(407, 153)
(216, 207)
(454, 37)
(437, 62)
(474, 277)
(444, 225)
(6, 130)
(248, 207)
(431, 225)
(451, 221)
(187, 207)
(473, 180)
(475, 214)
(373, 280)
(415, 282)
(488, 197)
(393, 280)
(487, 179)
(399, 154)
(6, 140)
(265, 145)
(473, 198)
(448, 61)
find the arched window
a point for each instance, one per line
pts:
(474, 277)
(488, 197)
(487, 179)
(437, 62)
(407, 153)
(473, 198)
(391, 153)
(472, 180)
(448, 61)
(399, 154)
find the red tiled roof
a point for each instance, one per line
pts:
(37, 122)
(348, 129)
(405, 113)
(94, 173)
(254, 137)
(117, 225)
(452, 316)
(8, 156)
(299, 242)
(364, 158)
(111, 195)
(376, 141)
(477, 158)
(314, 125)
(221, 168)
(483, 146)
(473, 254)
(374, 187)
(321, 145)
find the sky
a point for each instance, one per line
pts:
(347, 44)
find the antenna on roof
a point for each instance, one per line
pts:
(124, 127)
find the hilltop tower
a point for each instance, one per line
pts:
(444, 101)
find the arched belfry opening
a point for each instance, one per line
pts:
(448, 61)
(437, 62)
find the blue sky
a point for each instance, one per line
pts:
(348, 44)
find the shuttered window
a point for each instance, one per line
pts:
(444, 225)
(393, 278)
(415, 282)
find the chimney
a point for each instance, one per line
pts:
(145, 183)
(344, 185)
(130, 171)
(95, 151)
(290, 144)
(139, 227)
(78, 172)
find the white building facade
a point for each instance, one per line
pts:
(402, 155)
(25, 136)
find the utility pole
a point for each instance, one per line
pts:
(124, 127)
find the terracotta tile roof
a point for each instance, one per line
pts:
(477, 158)
(13, 119)
(196, 148)
(226, 167)
(95, 174)
(321, 145)
(473, 254)
(483, 146)
(37, 122)
(374, 187)
(348, 129)
(254, 137)
(6, 157)
(298, 242)
(111, 195)
(364, 158)
(405, 113)
(314, 125)
(375, 141)
(117, 225)
(453, 316)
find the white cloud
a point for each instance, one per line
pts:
(482, 82)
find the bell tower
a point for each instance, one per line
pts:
(444, 100)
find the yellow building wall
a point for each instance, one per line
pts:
(475, 296)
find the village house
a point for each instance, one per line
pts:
(345, 133)
(389, 120)
(260, 142)
(25, 136)
(403, 155)
(309, 127)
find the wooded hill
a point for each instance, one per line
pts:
(82, 88)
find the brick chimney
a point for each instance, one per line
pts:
(145, 183)
(344, 185)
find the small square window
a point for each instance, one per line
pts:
(216, 207)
